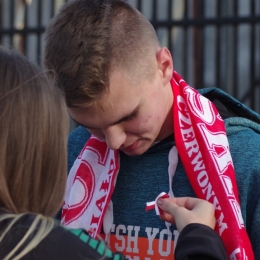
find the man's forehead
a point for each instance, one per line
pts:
(120, 101)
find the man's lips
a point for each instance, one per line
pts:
(131, 147)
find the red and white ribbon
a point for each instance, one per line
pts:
(153, 204)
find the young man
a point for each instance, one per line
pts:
(118, 82)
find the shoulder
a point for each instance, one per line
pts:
(78, 136)
(59, 243)
(75, 244)
(231, 103)
(244, 137)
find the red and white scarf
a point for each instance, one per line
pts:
(204, 150)
(90, 185)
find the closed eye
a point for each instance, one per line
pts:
(131, 117)
(128, 117)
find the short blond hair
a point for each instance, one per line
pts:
(87, 40)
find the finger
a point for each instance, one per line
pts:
(187, 202)
(167, 217)
(170, 207)
(181, 201)
(167, 205)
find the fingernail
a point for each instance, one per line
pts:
(160, 201)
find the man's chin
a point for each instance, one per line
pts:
(136, 152)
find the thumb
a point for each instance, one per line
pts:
(178, 213)
(168, 206)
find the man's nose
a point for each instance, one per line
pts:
(114, 136)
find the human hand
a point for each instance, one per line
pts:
(187, 210)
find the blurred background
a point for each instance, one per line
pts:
(214, 43)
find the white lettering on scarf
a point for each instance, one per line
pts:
(192, 147)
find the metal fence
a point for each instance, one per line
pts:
(214, 43)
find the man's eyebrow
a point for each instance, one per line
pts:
(124, 118)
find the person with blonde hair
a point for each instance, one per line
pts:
(33, 133)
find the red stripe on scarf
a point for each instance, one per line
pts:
(203, 147)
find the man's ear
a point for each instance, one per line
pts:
(165, 64)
